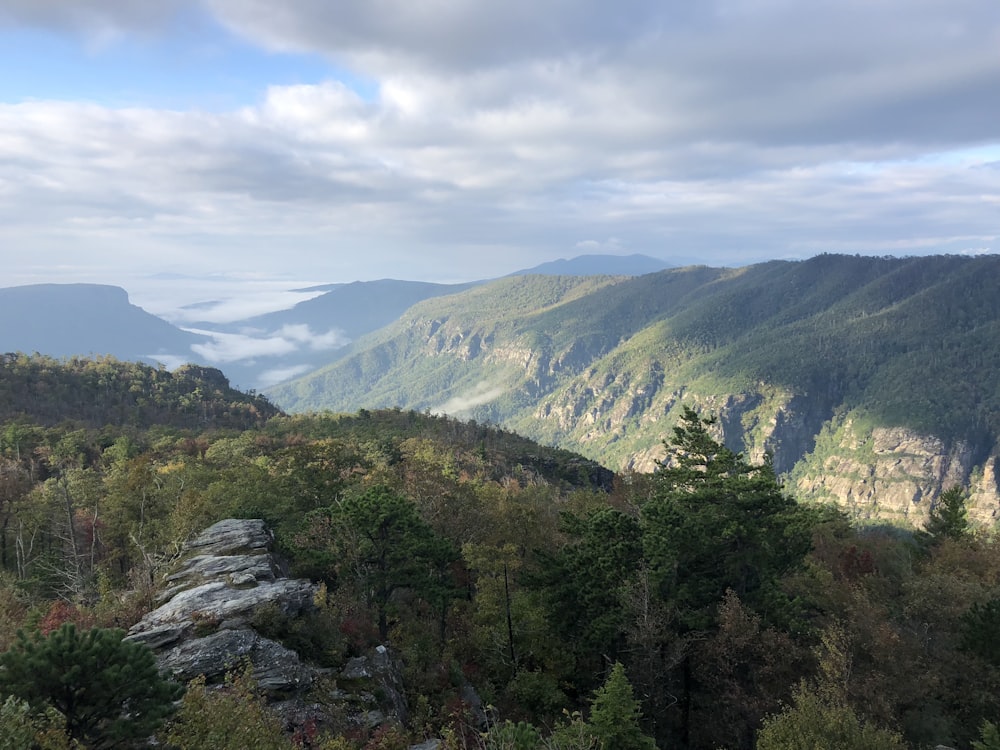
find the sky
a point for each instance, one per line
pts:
(231, 150)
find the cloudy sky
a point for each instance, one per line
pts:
(265, 144)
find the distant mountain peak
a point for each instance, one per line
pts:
(598, 265)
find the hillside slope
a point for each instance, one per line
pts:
(872, 381)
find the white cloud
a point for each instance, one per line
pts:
(252, 345)
(302, 334)
(498, 134)
(215, 300)
(234, 347)
(481, 394)
(170, 361)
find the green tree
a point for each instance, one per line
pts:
(989, 737)
(22, 728)
(717, 522)
(583, 582)
(511, 736)
(812, 723)
(948, 518)
(509, 624)
(17, 725)
(615, 715)
(377, 541)
(108, 691)
(821, 715)
(573, 734)
(978, 630)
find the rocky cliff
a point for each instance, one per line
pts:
(826, 454)
(876, 473)
(894, 473)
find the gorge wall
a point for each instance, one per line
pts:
(824, 453)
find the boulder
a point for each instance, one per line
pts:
(381, 669)
(233, 536)
(208, 606)
(276, 669)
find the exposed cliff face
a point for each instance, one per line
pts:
(878, 473)
(893, 473)
(617, 413)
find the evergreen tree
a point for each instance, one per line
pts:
(615, 715)
(108, 691)
(584, 579)
(978, 629)
(717, 522)
(948, 518)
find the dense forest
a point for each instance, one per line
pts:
(696, 606)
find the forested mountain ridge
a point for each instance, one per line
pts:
(871, 381)
(105, 391)
(94, 320)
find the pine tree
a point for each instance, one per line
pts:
(615, 715)
(377, 540)
(717, 522)
(107, 690)
(948, 518)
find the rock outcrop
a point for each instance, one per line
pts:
(226, 577)
(893, 474)
(203, 624)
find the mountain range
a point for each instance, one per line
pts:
(93, 319)
(872, 382)
(64, 320)
(869, 381)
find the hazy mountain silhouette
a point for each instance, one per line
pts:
(64, 320)
(598, 265)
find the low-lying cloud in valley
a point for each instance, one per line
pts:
(249, 346)
(279, 375)
(482, 393)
